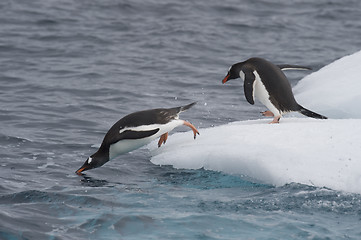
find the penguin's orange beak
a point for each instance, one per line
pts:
(225, 79)
(82, 169)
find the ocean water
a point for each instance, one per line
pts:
(69, 69)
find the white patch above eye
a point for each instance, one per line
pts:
(90, 160)
(241, 75)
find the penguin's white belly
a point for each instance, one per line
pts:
(260, 92)
(128, 145)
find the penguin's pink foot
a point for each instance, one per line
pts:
(276, 120)
(194, 129)
(162, 139)
(267, 114)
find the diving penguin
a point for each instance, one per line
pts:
(136, 130)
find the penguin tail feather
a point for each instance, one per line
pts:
(186, 107)
(309, 113)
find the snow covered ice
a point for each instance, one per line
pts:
(322, 153)
(334, 90)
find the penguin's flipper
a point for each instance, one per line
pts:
(131, 134)
(285, 67)
(249, 79)
(113, 137)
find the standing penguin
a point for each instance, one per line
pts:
(266, 82)
(136, 130)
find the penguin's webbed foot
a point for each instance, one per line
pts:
(276, 120)
(194, 129)
(162, 139)
(267, 114)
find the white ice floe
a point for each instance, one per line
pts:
(334, 90)
(322, 153)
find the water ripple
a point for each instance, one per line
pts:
(70, 69)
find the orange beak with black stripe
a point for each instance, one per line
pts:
(226, 79)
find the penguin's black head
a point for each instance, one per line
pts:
(94, 161)
(233, 72)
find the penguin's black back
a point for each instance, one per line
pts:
(143, 118)
(276, 83)
(152, 116)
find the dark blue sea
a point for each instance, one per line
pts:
(69, 69)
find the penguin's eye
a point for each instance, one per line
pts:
(90, 160)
